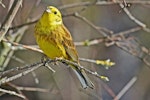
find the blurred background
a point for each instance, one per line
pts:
(122, 40)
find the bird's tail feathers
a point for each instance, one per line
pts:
(83, 78)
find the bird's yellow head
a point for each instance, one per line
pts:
(51, 16)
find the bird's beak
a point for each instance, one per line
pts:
(48, 10)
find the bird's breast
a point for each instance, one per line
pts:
(51, 45)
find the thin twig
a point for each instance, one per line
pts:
(12, 93)
(32, 89)
(18, 91)
(138, 22)
(21, 88)
(76, 14)
(8, 49)
(126, 88)
(1, 3)
(21, 45)
(9, 18)
(29, 69)
(33, 67)
(142, 2)
(87, 3)
(83, 68)
(132, 17)
(22, 25)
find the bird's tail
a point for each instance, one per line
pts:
(83, 78)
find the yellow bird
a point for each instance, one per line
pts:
(56, 42)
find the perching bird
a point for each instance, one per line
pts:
(56, 42)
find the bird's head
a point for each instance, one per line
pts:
(52, 16)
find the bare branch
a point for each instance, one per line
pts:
(1, 3)
(138, 22)
(21, 88)
(12, 93)
(9, 18)
(22, 25)
(126, 88)
(29, 69)
(33, 67)
(99, 3)
(23, 46)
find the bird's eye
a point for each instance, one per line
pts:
(55, 12)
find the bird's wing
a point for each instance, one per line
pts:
(72, 53)
(69, 45)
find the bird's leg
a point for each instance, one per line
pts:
(66, 64)
(44, 59)
(55, 61)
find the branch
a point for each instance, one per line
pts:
(8, 51)
(81, 67)
(107, 39)
(98, 29)
(29, 68)
(22, 25)
(1, 3)
(106, 63)
(12, 93)
(23, 46)
(35, 66)
(98, 3)
(138, 22)
(21, 88)
(126, 88)
(9, 18)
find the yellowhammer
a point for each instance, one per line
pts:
(56, 41)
